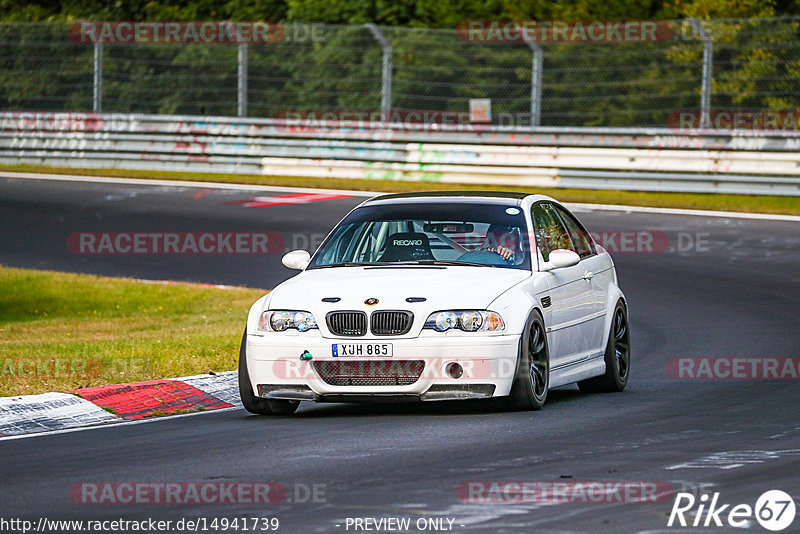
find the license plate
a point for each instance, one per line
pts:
(361, 349)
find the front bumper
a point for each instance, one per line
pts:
(488, 363)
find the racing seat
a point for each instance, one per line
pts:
(407, 246)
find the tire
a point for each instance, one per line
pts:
(532, 377)
(250, 401)
(617, 358)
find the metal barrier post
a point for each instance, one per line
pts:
(708, 63)
(536, 84)
(386, 73)
(97, 94)
(241, 94)
(536, 79)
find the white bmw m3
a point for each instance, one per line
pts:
(440, 296)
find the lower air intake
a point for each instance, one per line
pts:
(369, 372)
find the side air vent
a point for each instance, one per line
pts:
(546, 302)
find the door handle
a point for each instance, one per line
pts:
(588, 276)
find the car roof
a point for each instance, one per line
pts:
(480, 197)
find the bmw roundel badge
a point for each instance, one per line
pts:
(372, 301)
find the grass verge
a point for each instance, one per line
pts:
(705, 201)
(63, 331)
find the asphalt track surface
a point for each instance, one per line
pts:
(736, 295)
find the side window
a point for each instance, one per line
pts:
(578, 234)
(550, 232)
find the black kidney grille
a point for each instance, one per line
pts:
(391, 323)
(369, 372)
(347, 323)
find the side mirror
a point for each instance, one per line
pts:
(561, 258)
(297, 259)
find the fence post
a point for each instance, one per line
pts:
(536, 79)
(386, 73)
(708, 63)
(97, 93)
(241, 93)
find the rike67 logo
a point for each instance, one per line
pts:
(774, 510)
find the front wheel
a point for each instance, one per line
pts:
(250, 401)
(617, 358)
(532, 379)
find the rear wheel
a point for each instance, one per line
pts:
(617, 358)
(250, 401)
(532, 379)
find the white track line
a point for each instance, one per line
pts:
(121, 423)
(53, 409)
(245, 187)
(181, 183)
(697, 213)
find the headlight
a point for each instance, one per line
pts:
(280, 320)
(444, 321)
(470, 321)
(466, 320)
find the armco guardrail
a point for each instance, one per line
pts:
(636, 159)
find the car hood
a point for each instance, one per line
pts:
(451, 287)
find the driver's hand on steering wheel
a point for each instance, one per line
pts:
(504, 253)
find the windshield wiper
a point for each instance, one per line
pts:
(346, 264)
(444, 262)
(451, 263)
(356, 264)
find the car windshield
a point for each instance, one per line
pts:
(482, 235)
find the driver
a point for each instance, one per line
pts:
(502, 240)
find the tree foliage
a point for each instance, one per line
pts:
(756, 60)
(425, 13)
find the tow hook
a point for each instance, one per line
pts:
(305, 356)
